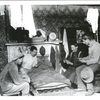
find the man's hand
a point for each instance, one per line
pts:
(26, 78)
(68, 62)
(82, 60)
(36, 66)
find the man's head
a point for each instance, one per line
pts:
(87, 38)
(33, 51)
(74, 47)
(18, 59)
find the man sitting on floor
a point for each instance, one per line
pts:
(30, 60)
(71, 63)
(86, 72)
(11, 79)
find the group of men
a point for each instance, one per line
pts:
(14, 77)
(82, 70)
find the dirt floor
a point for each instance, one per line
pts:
(65, 92)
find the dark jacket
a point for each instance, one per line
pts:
(73, 57)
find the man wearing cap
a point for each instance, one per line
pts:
(11, 80)
(85, 73)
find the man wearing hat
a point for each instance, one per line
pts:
(85, 73)
(11, 80)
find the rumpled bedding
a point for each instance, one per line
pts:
(45, 74)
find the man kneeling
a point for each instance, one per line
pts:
(11, 79)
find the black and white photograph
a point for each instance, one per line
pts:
(49, 48)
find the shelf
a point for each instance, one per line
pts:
(35, 43)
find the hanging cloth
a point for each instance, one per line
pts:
(65, 43)
(22, 16)
(16, 16)
(28, 21)
(92, 18)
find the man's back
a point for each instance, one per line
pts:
(9, 76)
(5, 77)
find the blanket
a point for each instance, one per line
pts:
(45, 74)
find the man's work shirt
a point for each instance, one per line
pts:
(29, 61)
(94, 53)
